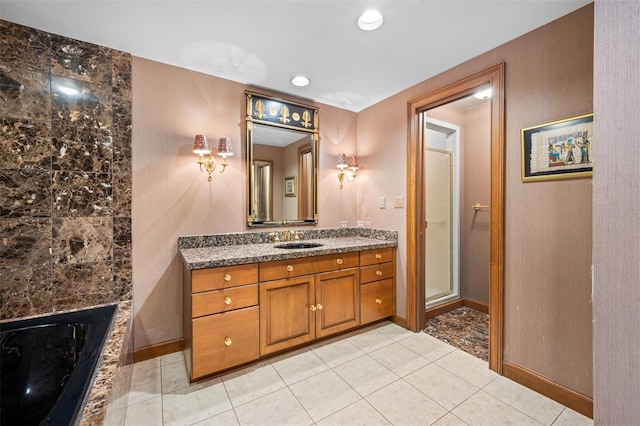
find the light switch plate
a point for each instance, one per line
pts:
(398, 202)
(382, 202)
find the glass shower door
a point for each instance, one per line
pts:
(438, 204)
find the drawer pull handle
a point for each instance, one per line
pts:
(227, 300)
(378, 256)
(339, 261)
(379, 273)
(312, 308)
(378, 301)
(227, 341)
(289, 268)
(227, 277)
(319, 306)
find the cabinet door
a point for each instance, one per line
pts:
(337, 301)
(377, 300)
(287, 316)
(224, 340)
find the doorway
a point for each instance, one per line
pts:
(442, 211)
(492, 78)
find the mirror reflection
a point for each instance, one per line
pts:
(282, 172)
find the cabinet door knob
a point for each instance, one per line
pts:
(319, 306)
(227, 277)
(227, 300)
(289, 268)
(339, 261)
(378, 301)
(227, 341)
(378, 256)
(312, 308)
(379, 273)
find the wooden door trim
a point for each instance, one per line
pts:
(415, 190)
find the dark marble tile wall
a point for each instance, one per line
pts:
(65, 173)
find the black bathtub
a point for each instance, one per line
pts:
(48, 363)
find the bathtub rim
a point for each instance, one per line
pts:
(75, 388)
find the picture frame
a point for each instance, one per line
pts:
(290, 187)
(560, 149)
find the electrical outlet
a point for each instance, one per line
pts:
(382, 202)
(398, 202)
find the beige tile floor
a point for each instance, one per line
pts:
(381, 375)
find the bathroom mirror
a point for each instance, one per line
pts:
(282, 162)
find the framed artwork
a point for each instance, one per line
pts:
(558, 150)
(290, 189)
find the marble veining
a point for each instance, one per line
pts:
(112, 363)
(25, 143)
(82, 284)
(80, 60)
(24, 72)
(339, 240)
(65, 173)
(81, 194)
(464, 328)
(82, 239)
(25, 192)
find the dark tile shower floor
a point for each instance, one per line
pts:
(464, 328)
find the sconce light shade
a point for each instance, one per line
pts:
(353, 162)
(224, 147)
(350, 163)
(208, 164)
(201, 145)
(342, 161)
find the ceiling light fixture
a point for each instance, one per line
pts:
(300, 81)
(483, 94)
(370, 20)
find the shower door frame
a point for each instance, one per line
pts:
(494, 78)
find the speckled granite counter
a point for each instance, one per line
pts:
(211, 251)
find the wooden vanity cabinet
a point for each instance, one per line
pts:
(300, 309)
(236, 314)
(377, 284)
(221, 324)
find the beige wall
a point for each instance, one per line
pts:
(548, 224)
(171, 197)
(474, 226)
(616, 210)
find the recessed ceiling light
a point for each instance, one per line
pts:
(300, 81)
(370, 20)
(483, 94)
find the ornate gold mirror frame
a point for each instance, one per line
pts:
(286, 134)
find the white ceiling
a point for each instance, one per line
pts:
(264, 43)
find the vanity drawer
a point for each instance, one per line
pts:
(228, 299)
(376, 301)
(223, 277)
(377, 272)
(372, 257)
(280, 269)
(224, 340)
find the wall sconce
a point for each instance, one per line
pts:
(351, 164)
(201, 147)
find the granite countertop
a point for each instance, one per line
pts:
(211, 256)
